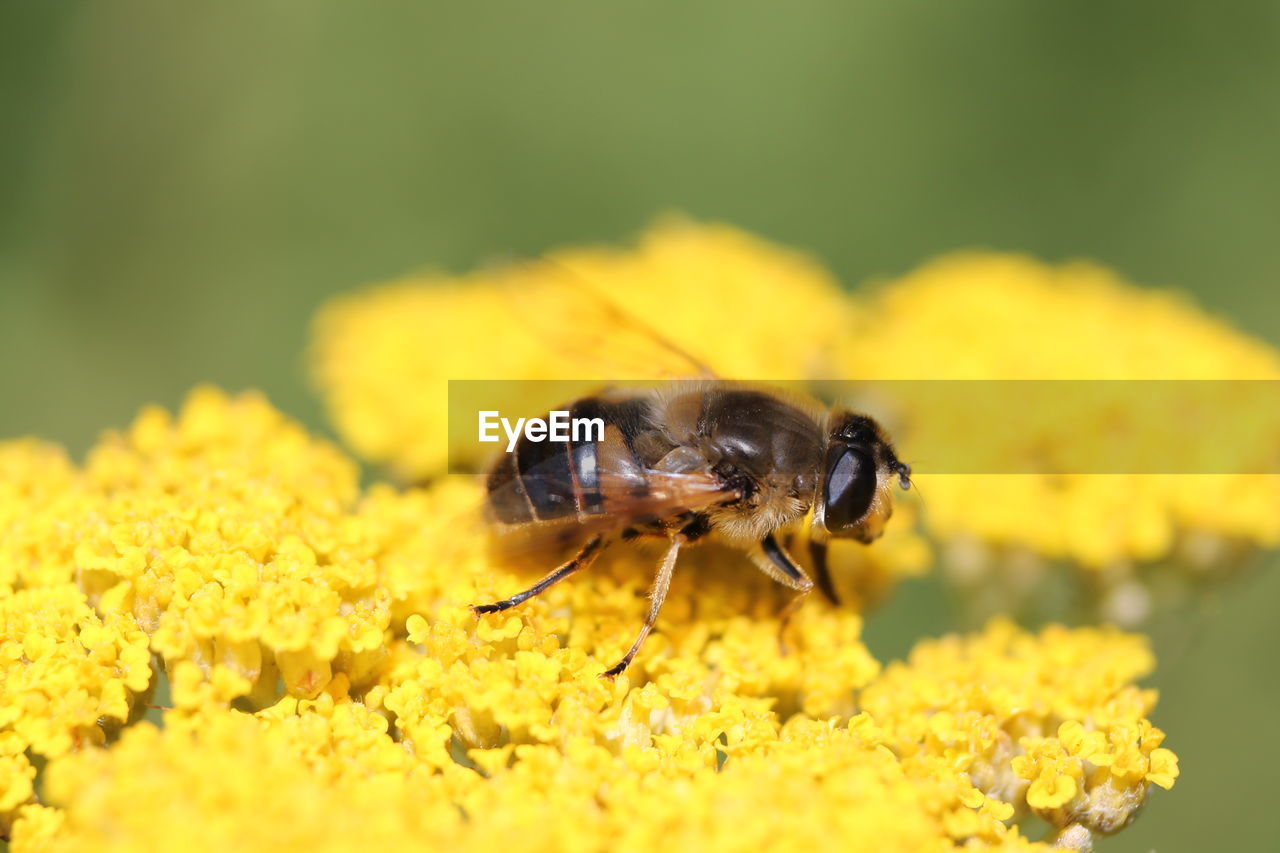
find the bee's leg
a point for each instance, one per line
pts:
(771, 559)
(821, 571)
(580, 561)
(657, 595)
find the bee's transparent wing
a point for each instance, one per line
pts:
(597, 337)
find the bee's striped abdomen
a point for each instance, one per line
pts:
(550, 481)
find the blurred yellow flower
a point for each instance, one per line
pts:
(752, 310)
(997, 316)
(383, 357)
(329, 682)
(987, 315)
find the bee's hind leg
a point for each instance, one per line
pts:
(772, 559)
(580, 561)
(657, 595)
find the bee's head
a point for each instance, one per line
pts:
(859, 467)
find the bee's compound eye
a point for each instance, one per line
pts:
(850, 488)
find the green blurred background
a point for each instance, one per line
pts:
(179, 190)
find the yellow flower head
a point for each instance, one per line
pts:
(1000, 710)
(330, 681)
(68, 674)
(715, 295)
(985, 315)
(687, 296)
(747, 309)
(225, 535)
(993, 316)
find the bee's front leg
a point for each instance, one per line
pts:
(774, 561)
(821, 569)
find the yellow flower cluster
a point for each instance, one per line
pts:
(330, 683)
(756, 311)
(66, 672)
(1055, 723)
(687, 296)
(226, 533)
(987, 315)
(1076, 321)
(717, 296)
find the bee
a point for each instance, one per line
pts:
(697, 460)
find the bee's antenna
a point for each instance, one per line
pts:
(903, 470)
